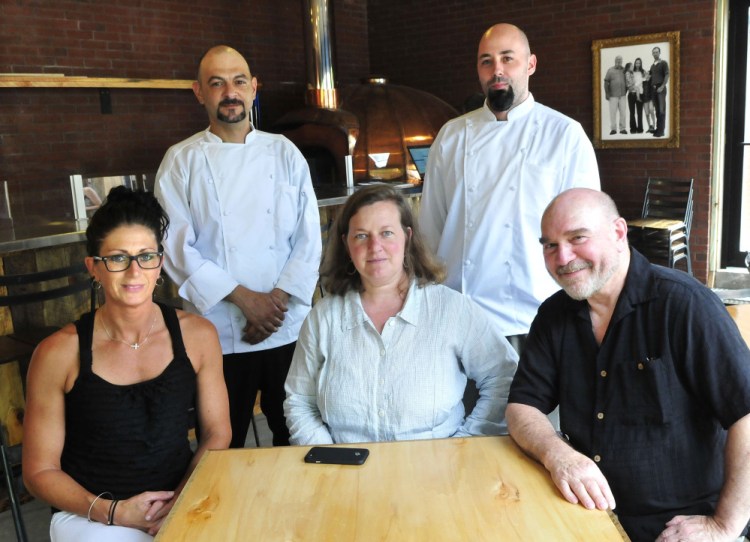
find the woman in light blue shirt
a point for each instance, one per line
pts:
(386, 354)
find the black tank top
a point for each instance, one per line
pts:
(133, 438)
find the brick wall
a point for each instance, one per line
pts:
(432, 46)
(48, 134)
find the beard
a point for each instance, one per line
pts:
(238, 117)
(581, 289)
(500, 100)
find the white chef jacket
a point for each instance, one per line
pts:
(486, 187)
(240, 214)
(349, 383)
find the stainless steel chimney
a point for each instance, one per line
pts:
(321, 81)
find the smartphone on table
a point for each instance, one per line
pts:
(337, 456)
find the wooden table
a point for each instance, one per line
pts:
(741, 316)
(474, 489)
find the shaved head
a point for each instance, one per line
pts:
(226, 89)
(507, 30)
(219, 50)
(584, 199)
(585, 244)
(504, 65)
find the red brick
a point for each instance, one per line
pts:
(48, 133)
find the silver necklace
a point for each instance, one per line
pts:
(135, 345)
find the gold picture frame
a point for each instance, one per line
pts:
(607, 81)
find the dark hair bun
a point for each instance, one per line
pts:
(124, 206)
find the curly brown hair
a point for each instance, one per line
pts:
(335, 271)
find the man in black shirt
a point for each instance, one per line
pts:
(652, 378)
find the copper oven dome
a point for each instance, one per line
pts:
(375, 123)
(391, 117)
(362, 133)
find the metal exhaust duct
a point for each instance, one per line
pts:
(321, 83)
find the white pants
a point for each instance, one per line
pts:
(67, 527)
(619, 104)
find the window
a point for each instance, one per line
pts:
(736, 220)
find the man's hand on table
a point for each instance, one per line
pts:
(580, 480)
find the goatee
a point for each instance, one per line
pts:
(239, 117)
(231, 120)
(500, 100)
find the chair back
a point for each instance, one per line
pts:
(26, 293)
(39, 286)
(29, 297)
(669, 198)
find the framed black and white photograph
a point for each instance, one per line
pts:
(637, 91)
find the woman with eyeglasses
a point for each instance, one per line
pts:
(108, 397)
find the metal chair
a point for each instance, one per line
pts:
(15, 353)
(662, 233)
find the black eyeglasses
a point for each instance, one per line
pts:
(122, 262)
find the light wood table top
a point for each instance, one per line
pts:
(741, 316)
(480, 488)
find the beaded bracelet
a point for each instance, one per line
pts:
(111, 515)
(107, 493)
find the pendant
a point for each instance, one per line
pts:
(135, 346)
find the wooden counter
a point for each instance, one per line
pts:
(480, 488)
(38, 233)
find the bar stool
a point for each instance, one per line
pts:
(662, 233)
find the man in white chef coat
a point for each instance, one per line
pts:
(490, 174)
(244, 240)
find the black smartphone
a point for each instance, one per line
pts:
(337, 456)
